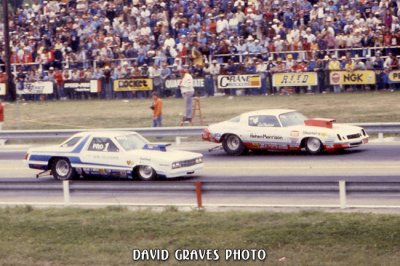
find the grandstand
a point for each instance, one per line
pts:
(82, 40)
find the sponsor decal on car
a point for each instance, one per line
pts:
(264, 136)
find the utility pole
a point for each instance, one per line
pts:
(10, 88)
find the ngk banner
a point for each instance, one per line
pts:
(239, 81)
(39, 87)
(357, 77)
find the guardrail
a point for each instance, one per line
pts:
(198, 188)
(370, 128)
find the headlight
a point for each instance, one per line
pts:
(199, 160)
(176, 165)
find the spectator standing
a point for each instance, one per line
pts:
(59, 82)
(187, 91)
(155, 74)
(157, 110)
(107, 83)
(334, 65)
(165, 72)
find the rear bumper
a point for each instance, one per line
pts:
(207, 136)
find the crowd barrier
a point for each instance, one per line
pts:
(223, 82)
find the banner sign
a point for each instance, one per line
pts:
(357, 77)
(92, 86)
(294, 79)
(2, 89)
(173, 84)
(239, 81)
(394, 76)
(133, 85)
(39, 87)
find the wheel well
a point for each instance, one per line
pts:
(303, 142)
(52, 159)
(225, 135)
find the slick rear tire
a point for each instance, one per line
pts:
(62, 170)
(233, 145)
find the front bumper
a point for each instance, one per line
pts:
(345, 144)
(183, 171)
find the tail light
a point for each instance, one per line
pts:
(26, 156)
(206, 135)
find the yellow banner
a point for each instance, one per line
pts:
(294, 79)
(133, 85)
(394, 76)
(357, 77)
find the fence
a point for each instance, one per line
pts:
(198, 189)
(177, 132)
(257, 83)
(362, 52)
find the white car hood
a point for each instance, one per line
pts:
(337, 128)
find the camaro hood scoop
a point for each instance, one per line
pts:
(156, 146)
(320, 122)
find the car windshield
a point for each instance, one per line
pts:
(131, 141)
(292, 119)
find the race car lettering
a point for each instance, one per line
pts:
(310, 133)
(255, 136)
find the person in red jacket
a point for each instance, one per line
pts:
(157, 110)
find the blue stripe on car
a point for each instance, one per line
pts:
(45, 158)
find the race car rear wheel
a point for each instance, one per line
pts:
(314, 146)
(233, 145)
(62, 170)
(146, 173)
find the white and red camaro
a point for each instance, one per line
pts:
(283, 129)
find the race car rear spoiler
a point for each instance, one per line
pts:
(156, 146)
(320, 122)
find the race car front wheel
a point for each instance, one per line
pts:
(62, 170)
(146, 173)
(313, 146)
(233, 145)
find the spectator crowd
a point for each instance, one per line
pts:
(111, 39)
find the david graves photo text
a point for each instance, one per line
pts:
(199, 255)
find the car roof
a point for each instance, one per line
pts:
(104, 133)
(275, 112)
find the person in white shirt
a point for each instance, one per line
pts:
(187, 91)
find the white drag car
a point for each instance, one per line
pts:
(281, 129)
(123, 154)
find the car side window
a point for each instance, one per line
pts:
(263, 121)
(103, 145)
